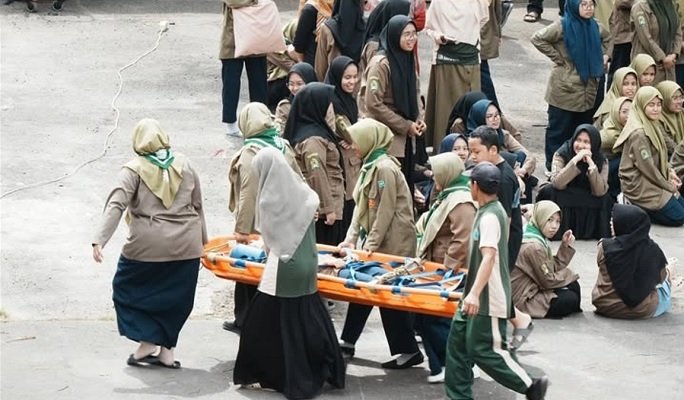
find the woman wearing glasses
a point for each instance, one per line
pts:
(577, 46)
(300, 74)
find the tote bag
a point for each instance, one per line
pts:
(257, 29)
(239, 3)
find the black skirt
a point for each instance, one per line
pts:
(289, 345)
(587, 215)
(154, 299)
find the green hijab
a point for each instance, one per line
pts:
(541, 213)
(639, 121)
(373, 139)
(641, 62)
(668, 23)
(158, 167)
(612, 127)
(447, 170)
(615, 90)
(674, 122)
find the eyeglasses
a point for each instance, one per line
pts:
(409, 35)
(677, 98)
(492, 116)
(587, 4)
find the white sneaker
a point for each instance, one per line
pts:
(476, 372)
(439, 378)
(233, 129)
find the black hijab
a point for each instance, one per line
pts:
(343, 102)
(462, 108)
(347, 27)
(633, 260)
(567, 152)
(305, 71)
(307, 115)
(381, 15)
(402, 67)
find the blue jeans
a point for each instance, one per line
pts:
(231, 73)
(664, 298)
(561, 126)
(670, 215)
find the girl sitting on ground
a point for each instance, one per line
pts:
(625, 83)
(542, 284)
(634, 280)
(645, 67)
(458, 143)
(612, 127)
(672, 116)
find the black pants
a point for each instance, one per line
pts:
(277, 91)
(398, 326)
(242, 296)
(231, 73)
(621, 57)
(567, 302)
(538, 6)
(486, 82)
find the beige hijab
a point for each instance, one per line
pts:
(373, 139)
(612, 127)
(541, 213)
(673, 121)
(286, 205)
(151, 144)
(641, 62)
(446, 169)
(615, 90)
(639, 121)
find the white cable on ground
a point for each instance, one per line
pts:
(163, 27)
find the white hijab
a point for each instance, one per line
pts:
(286, 205)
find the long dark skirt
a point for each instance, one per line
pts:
(329, 234)
(289, 345)
(588, 216)
(154, 299)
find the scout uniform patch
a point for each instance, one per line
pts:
(313, 162)
(381, 184)
(374, 85)
(641, 19)
(544, 269)
(372, 203)
(645, 155)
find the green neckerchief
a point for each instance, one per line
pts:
(459, 184)
(161, 163)
(361, 184)
(533, 234)
(269, 138)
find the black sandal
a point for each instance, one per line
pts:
(142, 362)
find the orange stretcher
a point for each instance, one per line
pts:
(438, 300)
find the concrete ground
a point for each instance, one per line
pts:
(58, 337)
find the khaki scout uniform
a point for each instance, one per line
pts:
(390, 211)
(380, 103)
(565, 89)
(533, 280)
(319, 161)
(640, 178)
(562, 174)
(326, 52)
(450, 245)
(646, 40)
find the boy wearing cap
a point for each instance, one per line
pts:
(478, 330)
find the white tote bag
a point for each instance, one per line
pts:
(257, 29)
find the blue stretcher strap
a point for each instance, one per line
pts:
(239, 263)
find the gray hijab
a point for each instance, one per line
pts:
(286, 205)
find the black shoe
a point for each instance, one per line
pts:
(347, 350)
(231, 327)
(415, 359)
(538, 389)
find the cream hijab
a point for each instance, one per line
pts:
(615, 90)
(447, 170)
(612, 127)
(541, 213)
(373, 139)
(641, 62)
(158, 167)
(286, 205)
(639, 121)
(673, 121)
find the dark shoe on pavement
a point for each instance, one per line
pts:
(142, 362)
(347, 349)
(231, 327)
(402, 363)
(538, 389)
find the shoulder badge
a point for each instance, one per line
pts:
(641, 19)
(372, 203)
(381, 184)
(313, 162)
(544, 269)
(645, 155)
(374, 85)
